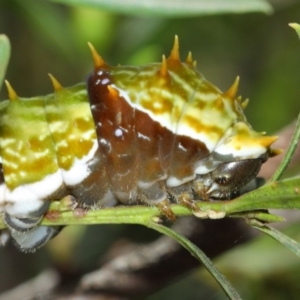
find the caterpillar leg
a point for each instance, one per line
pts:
(4, 237)
(23, 224)
(25, 232)
(22, 218)
(184, 196)
(20, 224)
(159, 195)
(34, 238)
(165, 209)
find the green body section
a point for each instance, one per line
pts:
(40, 135)
(187, 104)
(71, 124)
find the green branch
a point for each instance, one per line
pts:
(282, 195)
(290, 151)
(200, 255)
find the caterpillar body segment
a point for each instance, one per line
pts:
(150, 134)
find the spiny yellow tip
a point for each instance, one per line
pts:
(233, 89)
(189, 59)
(195, 64)
(112, 92)
(175, 50)
(245, 103)
(275, 152)
(163, 67)
(12, 95)
(219, 103)
(98, 60)
(56, 85)
(268, 140)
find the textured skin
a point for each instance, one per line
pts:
(134, 134)
(47, 133)
(154, 126)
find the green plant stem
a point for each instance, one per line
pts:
(286, 241)
(282, 195)
(200, 255)
(289, 154)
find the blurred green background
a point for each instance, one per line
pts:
(48, 37)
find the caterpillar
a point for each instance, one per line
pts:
(150, 134)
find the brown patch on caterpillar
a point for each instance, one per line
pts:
(52, 215)
(80, 213)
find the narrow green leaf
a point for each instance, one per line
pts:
(296, 27)
(260, 216)
(200, 255)
(289, 153)
(289, 243)
(175, 8)
(283, 194)
(4, 56)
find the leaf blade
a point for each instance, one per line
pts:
(4, 56)
(283, 239)
(289, 153)
(175, 8)
(201, 256)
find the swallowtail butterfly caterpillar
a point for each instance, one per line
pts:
(152, 133)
